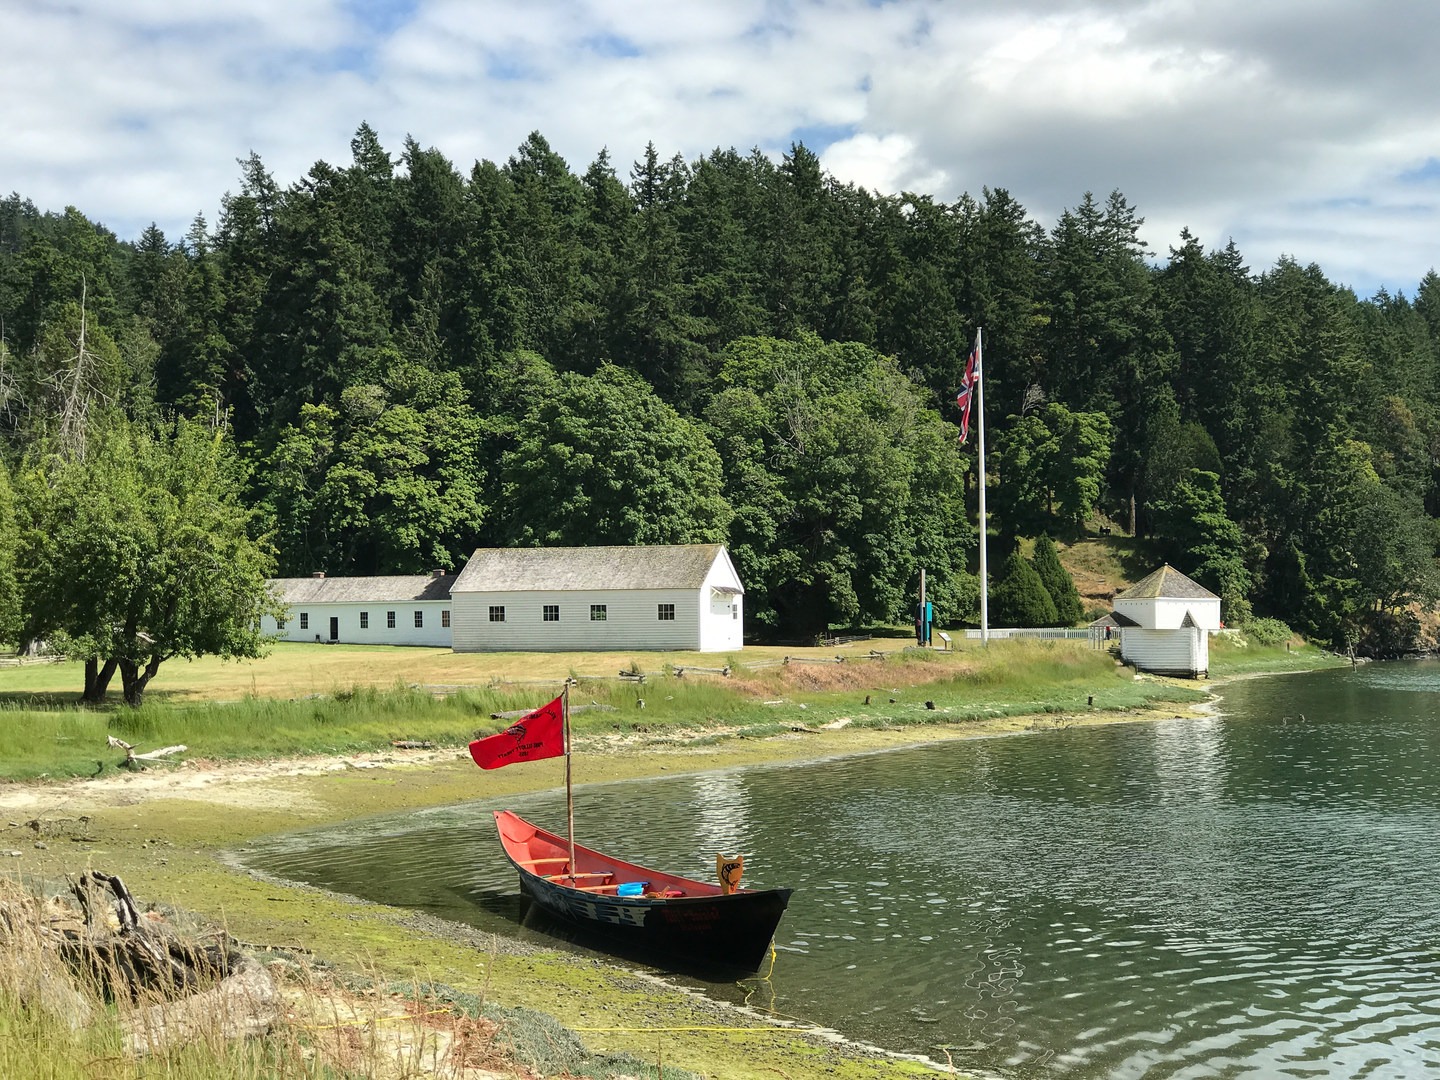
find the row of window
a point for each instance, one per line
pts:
(365, 620)
(548, 613)
(598, 613)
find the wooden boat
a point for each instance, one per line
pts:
(664, 914)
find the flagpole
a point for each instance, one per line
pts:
(569, 790)
(980, 444)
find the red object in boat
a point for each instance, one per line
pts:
(672, 916)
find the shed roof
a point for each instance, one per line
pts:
(560, 569)
(1167, 583)
(1116, 619)
(362, 590)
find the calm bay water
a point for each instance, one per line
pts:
(1251, 894)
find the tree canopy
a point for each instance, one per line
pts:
(415, 358)
(844, 484)
(139, 552)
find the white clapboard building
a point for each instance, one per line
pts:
(1165, 621)
(682, 597)
(409, 610)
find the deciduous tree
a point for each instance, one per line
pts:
(605, 461)
(140, 552)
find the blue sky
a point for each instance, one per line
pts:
(1302, 129)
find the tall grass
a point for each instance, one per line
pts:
(1006, 678)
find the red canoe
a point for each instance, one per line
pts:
(665, 914)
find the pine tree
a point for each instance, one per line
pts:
(1058, 582)
(1019, 597)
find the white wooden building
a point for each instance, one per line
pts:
(411, 610)
(1165, 621)
(652, 598)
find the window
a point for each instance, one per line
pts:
(597, 613)
(444, 618)
(390, 620)
(279, 624)
(304, 620)
(551, 613)
(419, 620)
(666, 613)
(734, 611)
(497, 613)
(364, 620)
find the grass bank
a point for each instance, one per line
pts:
(42, 736)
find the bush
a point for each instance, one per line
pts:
(1267, 631)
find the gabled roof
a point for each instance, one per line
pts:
(1115, 618)
(1167, 583)
(362, 590)
(557, 569)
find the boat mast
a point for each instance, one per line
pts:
(569, 789)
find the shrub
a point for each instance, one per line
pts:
(1267, 631)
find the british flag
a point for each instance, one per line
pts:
(967, 391)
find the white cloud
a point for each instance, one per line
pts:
(1285, 125)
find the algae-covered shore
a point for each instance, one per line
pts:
(167, 830)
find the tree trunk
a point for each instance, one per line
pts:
(134, 679)
(97, 680)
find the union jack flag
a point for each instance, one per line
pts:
(967, 392)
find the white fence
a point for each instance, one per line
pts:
(1054, 633)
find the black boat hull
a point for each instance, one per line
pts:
(720, 931)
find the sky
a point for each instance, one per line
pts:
(1299, 128)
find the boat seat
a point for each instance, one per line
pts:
(533, 864)
(598, 878)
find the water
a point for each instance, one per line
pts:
(1250, 894)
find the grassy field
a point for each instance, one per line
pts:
(292, 669)
(306, 699)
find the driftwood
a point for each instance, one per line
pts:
(245, 1002)
(132, 758)
(168, 987)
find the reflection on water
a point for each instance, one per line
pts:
(720, 808)
(1252, 894)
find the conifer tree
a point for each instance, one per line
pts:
(1058, 582)
(1019, 597)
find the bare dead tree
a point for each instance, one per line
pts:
(78, 387)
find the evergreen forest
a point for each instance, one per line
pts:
(390, 362)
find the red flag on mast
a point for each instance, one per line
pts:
(538, 734)
(967, 390)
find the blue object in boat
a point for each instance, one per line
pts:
(631, 888)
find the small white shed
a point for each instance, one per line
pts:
(364, 610)
(1165, 622)
(685, 596)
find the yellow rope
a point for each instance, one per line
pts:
(728, 1030)
(802, 1023)
(375, 1020)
